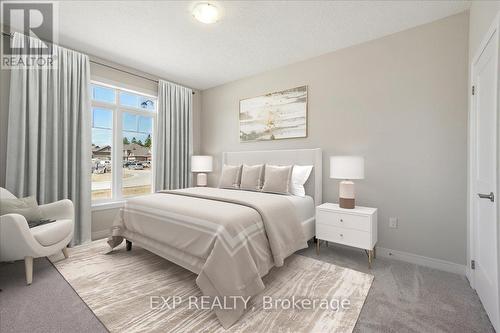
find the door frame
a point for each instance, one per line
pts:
(471, 193)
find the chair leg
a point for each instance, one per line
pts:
(28, 267)
(65, 252)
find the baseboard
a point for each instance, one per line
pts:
(416, 259)
(442, 265)
(100, 234)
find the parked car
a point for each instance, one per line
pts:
(135, 166)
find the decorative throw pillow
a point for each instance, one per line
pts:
(277, 179)
(230, 176)
(27, 207)
(251, 177)
(300, 174)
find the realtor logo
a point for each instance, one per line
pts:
(35, 23)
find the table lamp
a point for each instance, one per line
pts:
(347, 168)
(201, 165)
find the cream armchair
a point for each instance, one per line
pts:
(18, 241)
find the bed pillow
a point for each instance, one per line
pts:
(300, 175)
(277, 179)
(27, 207)
(251, 177)
(230, 176)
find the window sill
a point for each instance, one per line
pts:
(107, 205)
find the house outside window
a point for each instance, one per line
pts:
(122, 142)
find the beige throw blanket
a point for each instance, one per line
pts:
(239, 235)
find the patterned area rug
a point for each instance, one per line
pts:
(124, 290)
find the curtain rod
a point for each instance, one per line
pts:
(109, 66)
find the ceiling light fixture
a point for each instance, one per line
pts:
(206, 13)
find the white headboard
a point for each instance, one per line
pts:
(313, 157)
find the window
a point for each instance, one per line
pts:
(103, 94)
(137, 101)
(122, 142)
(137, 140)
(102, 141)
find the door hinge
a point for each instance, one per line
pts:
(473, 90)
(473, 264)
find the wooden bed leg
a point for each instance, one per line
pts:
(128, 244)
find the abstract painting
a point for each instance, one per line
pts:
(274, 116)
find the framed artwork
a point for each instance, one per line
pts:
(274, 116)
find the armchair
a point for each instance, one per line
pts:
(18, 241)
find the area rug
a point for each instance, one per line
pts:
(134, 292)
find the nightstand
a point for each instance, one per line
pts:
(353, 227)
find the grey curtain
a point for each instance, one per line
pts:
(49, 134)
(174, 142)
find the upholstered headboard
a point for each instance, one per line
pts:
(313, 157)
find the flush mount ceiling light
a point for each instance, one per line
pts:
(206, 13)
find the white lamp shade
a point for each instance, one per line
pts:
(201, 163)
(347, 167)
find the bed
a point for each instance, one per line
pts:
(229, 238)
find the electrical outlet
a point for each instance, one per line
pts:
(393, 222)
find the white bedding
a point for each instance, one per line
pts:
(304, 206)
(245, 232)
(305, 209)
(153, 229)
(148, 232)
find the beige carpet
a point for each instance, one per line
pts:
(118, 287)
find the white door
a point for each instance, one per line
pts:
(484, 177)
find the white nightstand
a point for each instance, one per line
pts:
(353, 227)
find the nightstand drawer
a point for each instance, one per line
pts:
(334, 219)
(344, 236)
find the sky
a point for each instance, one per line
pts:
(133, 125)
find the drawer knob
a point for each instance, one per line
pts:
(341, 235)
(341, 220)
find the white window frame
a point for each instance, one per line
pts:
(117, 145)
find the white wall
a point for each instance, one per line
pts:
(401, 101)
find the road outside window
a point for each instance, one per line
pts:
(122, 142)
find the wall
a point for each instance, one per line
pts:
(401, 102)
